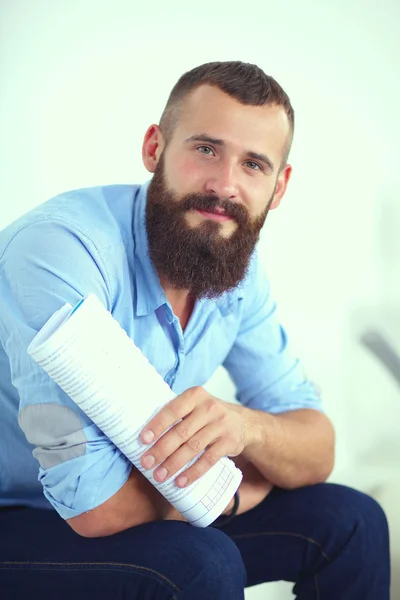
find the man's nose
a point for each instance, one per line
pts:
(223, 184)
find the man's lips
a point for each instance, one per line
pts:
(215, 216)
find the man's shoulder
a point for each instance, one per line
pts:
(101, 212)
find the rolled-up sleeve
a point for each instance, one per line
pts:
(44, 266)
(266, 374)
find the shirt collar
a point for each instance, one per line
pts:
(150, 294)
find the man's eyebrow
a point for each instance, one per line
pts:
(202, 137)
(262, 158)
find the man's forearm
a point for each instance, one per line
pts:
(291, 449)
(137, 502)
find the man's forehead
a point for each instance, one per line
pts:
(208, 110)
(206, 99)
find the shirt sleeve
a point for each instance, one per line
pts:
(266, 374)
(45, 265)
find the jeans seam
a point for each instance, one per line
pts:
(10, 564)
(298, 535)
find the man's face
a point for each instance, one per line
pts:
(211, 191)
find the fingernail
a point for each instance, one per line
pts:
(148, 461)
(181, 481)
(162, 473)
(148, 436)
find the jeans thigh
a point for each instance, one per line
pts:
(330, 539)
(41, 554)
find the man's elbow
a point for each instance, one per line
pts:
(325, 459)
(88, 527)
(311, 474)
(321, 470)
(93, 525)
(325, 470)
(313, 477)
(136, 502)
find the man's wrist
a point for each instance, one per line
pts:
(253, 430)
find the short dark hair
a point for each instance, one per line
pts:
(245, 82)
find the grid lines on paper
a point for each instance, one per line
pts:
(219, 487)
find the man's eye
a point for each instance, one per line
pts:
(253, 165)
(205, 149)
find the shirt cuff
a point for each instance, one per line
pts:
(83, 483)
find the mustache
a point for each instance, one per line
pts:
(211, 203)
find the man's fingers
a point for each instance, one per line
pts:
(186, 431)
(186, 452)
(210, 457)
(172, 412)
(193, 423)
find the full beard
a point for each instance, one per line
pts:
(198, 259)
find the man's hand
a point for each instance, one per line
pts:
(196, 421)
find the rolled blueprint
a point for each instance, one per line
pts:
(88, 354)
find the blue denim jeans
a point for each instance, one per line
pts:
(330, 540)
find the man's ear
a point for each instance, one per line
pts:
(281, 185)
(153, 145)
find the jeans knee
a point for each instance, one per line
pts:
(201, 560)
(220, 556)
(372, 519)
(364, 519)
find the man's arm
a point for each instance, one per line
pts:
(85, 478)
(290, 449)
(137, 502)
(291, 439)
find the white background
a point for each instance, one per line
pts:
(81, 80)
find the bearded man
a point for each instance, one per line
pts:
(175, 262)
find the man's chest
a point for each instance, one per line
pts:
(185, 358)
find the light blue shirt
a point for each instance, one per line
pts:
(94, 240)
